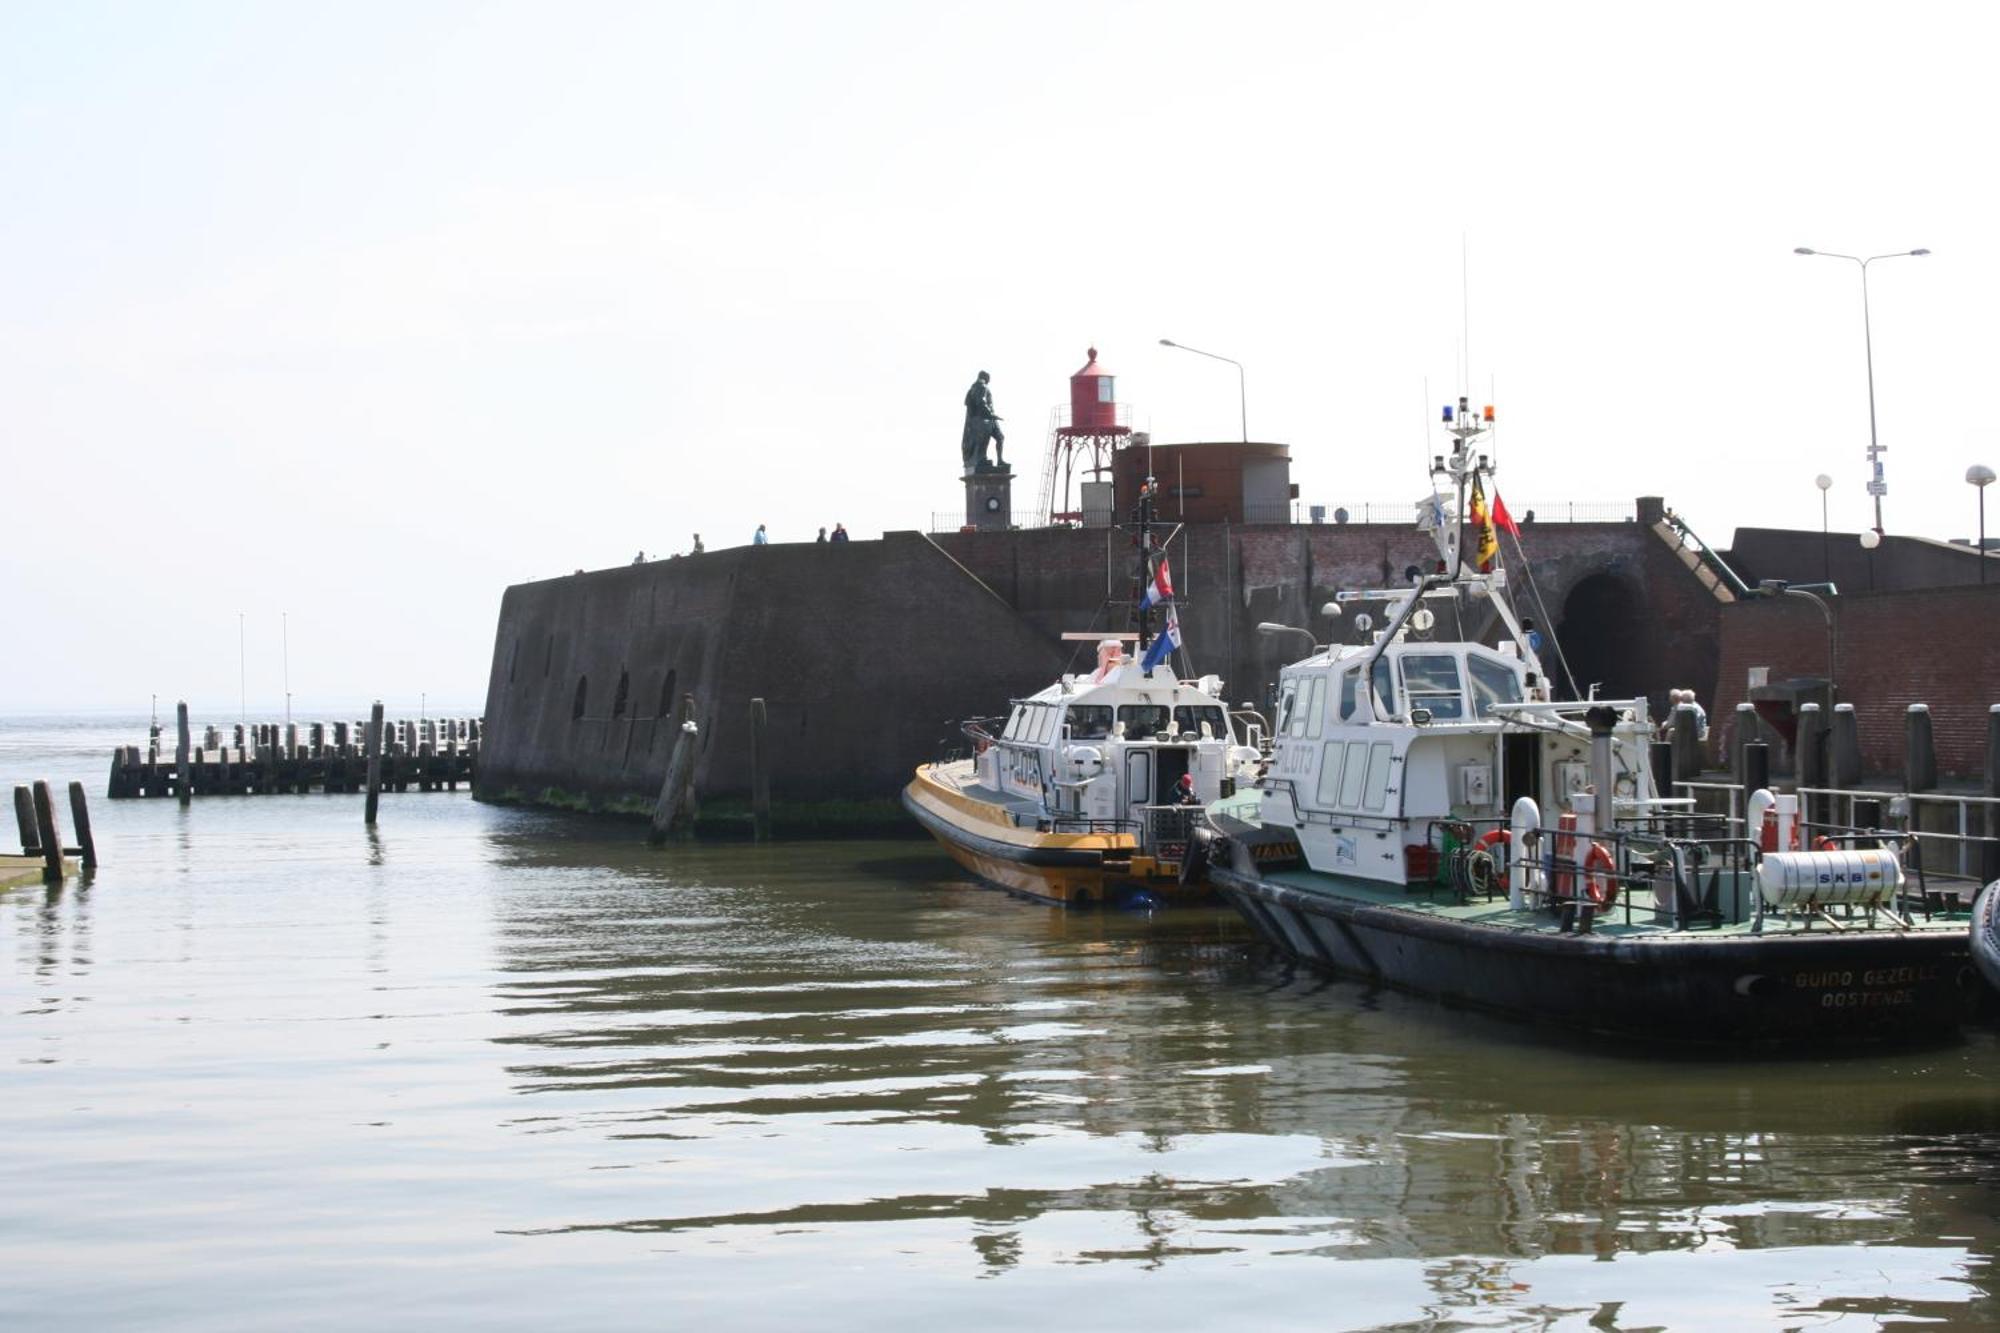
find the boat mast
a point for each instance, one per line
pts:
(1142, 617)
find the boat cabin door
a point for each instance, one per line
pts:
(1520, 769)
(1138, 781)
(1153, 774)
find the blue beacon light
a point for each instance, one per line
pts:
(1447, 414)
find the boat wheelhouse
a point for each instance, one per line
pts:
(1087, 793)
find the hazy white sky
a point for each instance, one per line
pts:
(355, 314)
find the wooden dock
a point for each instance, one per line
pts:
(429, 754)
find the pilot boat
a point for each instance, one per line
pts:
(1086, 792)
(1433, 818)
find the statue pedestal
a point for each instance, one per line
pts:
(988, 502)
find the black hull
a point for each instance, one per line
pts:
(1772, 990)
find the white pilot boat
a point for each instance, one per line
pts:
(1087, 794)
(1432, 818)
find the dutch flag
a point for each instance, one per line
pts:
(1161, 589)
(1169, 640)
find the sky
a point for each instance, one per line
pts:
(321, 325)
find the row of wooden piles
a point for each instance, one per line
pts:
(428, 754)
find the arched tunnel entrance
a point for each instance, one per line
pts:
(1605, 638)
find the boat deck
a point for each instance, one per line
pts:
(1443, 904)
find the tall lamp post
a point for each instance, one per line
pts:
(1876, 486)
(1825, 484)
(1981, 476)
(1242, 402)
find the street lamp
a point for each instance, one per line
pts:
(1981, 476)
(1876, 486)
(1271, 627)
(1242, 402)
(1825, 484)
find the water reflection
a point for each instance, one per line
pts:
(794, 1046)
(518, 1072)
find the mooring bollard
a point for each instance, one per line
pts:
(79, 814)
(760, 774)
(374, 764)
(183, 787)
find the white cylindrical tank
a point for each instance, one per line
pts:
(1862, 877)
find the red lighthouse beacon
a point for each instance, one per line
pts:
(1082, 446)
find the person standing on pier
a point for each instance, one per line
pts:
(839, 532)
(760, 539)
(697, 545)
(821, 539)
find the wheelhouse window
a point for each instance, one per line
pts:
(1143, 721)
(1291, 691)
(1089, 722)
(1350, 682)
(1316, 708)
(1384, 680)
(1430, 680)
(1189, 717)
(1014, 723)
(1046, 732)
(1305, 707)
(1492, 683)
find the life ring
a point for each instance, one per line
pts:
(1487, 841)
(1825, 844)
(1600, 875)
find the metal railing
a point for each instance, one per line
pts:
(1956, 851)
(1390, 513)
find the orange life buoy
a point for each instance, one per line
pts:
(1825, 844)
(1487, 841)
(1600, 875)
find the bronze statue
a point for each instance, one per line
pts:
(980, 426)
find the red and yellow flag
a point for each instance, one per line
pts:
(1488, 548)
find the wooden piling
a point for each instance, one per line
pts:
(183, 785)
(24, 819)
(49, 832)
(1845, 747)
(79, 814)
(675, 806)
(1687, 745)
(1919, 750)
(760, 774)
(1811, 762)
(1743, 731)
(374, 763)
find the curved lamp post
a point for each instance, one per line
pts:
(1242, 402)
(1875, 485)
(1780, 588)
(1981, 476)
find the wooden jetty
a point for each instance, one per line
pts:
(428, 754)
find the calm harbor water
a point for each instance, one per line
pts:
(492, 1068)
